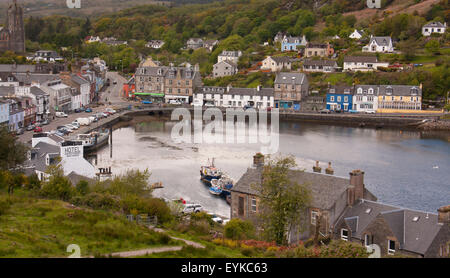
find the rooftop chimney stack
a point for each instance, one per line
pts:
(329, 170)
(258, 160)
(357, 181)
(317, 168)
(444, 214)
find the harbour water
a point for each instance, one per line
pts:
(402, 168)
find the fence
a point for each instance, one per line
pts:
(143, 219)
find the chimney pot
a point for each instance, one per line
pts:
(329, 170)
(444, 214)
(317, 168)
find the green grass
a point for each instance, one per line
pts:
(34, 228)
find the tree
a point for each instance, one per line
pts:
(283, 201)
(238, 229)
(58, 186)
(432, 46)
(12, 152)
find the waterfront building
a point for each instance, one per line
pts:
(50, 150)
(260, 98)
(365, 98)
(331, 195)
(290, 89)
(4, 113)
(16, 115)
(399, 98)
(60, 95)
(161, 84)
(340, 98)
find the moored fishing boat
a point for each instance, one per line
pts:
(221, 186)
(209, 173)
(94, 140)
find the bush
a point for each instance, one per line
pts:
(58, 187)
(82, 187)
(100, 201)
(4, 206)
(238, 229)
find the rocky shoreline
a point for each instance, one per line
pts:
(440, 125)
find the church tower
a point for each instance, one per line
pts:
(16, 28)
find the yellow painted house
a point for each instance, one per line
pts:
(399, 99)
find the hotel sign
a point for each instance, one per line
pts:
(72, 151)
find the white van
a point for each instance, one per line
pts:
(84, 121)
(61, 115)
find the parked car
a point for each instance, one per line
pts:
(353, 111)
(209, 104)
(325, 111)
(30, 127)
(93, 119)
(45, 122)
(174, 101)
(38, 129)
(146, 102)
(61, 115)
(192, 208)
(88, 110)
(19, 131)
(215, 218)
(75, 123)
(110, 110)
(72, 127)
(105, 115)
(370, 112)
(59, 133)
(99, 115)
(77, 110)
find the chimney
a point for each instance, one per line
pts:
(357, 182)
(317, 168)
(444, 214)
(258, 160)
(228, 88)
(258, 88)
(421, 86)
(329, 170)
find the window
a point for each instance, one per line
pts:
(391, 247)
(253, 205)
(344, 234)
(368, 240)
(339, 98)
(345, 99)
(332, 98)
(241, 206)
(313, 217)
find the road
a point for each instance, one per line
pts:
(112, 94)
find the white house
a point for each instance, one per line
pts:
(50, 150)
(357, 34)
(365, 98)
(155, 44)
(92, 39)
(379, 44)
(232, 56)
(46, 55)
(224, 68)
(362, 63)
(434, 27)
(261, 98)
(275, 64)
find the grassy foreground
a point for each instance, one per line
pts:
(36, 228)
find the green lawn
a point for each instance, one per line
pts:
(34, 228)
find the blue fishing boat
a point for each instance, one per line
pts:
(209, 173)
(221, 187)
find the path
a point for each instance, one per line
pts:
(188, 242)
(144, 252)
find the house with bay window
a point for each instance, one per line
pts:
(399, 98)
(365, 98)
(340, 98)
(260, 98)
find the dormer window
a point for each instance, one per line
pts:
(389, 91)
(359, 91)
(370, 91)
(414, 91)
(332, 91)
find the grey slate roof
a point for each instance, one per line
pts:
(229, 53)
(434, 24)
(312, 62)
(74, 178)
(17, 68)
(290, 77)
(6, 91)
(35, 77)
(37, 91)
(282, 59)
(341, 89)
(399, 90)
(41, 150)
(360, 59)
(79, 80)
(381, 41)
(414, 236)
(325, 189)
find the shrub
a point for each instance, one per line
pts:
(58, 187)
(4, 206)
(238, 229)
(100, 201)
(82, 187)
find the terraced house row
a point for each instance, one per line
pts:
(375, 98)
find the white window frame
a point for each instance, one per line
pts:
(390, 251)
(366, 240)
(253, 204)
(343, 237)
(314, 217)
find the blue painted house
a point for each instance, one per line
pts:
(292, 43)
(340, 98)
(4, 113)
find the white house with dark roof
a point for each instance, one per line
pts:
(293, 43)
(312, 65)
(365, 98)
(276, 64)
(434, 28)
(260, 98)
(379, 44)
(155, 44)
(362, 63)
(232, 56)
(357, 34)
